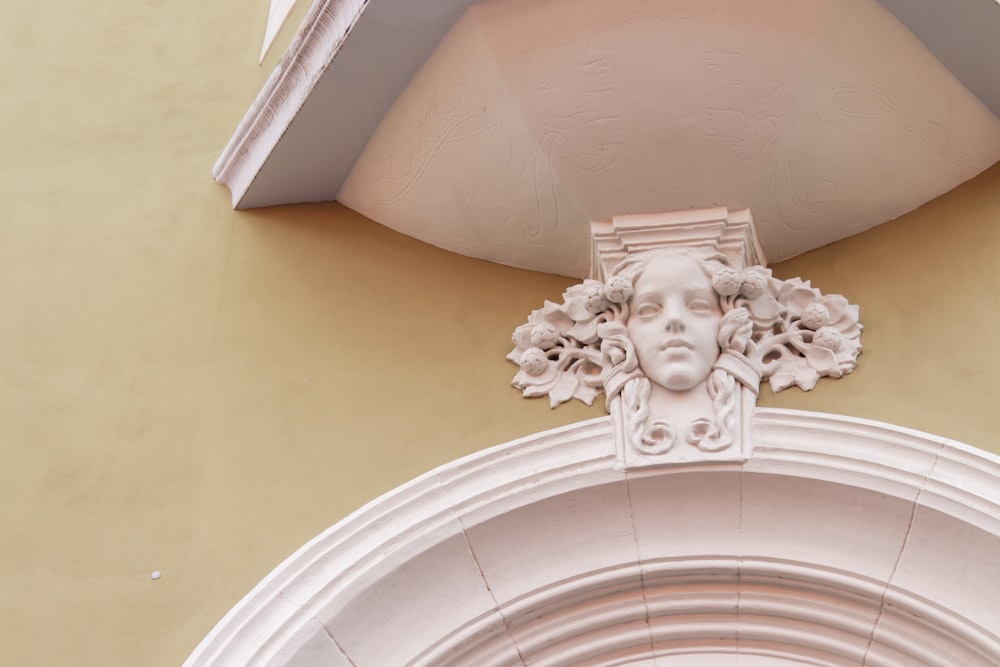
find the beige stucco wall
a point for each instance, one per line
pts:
(928, 289)
(199, 391)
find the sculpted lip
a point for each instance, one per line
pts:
(677, 343)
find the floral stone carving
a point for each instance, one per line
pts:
(679, 340)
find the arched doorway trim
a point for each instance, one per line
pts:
(839, 542)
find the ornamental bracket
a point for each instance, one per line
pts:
(678, 327)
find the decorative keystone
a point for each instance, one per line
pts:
(679, 333)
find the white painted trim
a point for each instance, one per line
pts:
(341, 48)
(277, 13)
(322, 33)
(396, 53)
(849, 542)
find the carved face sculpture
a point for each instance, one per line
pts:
(673, 322)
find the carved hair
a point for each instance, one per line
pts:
(622, 376)
(784, 331)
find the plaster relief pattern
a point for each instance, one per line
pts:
(533, 118)
(873, 85)
(679, 337)
(639, 84)
(465, 113)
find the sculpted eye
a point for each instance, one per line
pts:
(647, 309)
(702, 306)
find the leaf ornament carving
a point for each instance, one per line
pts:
(784, 331)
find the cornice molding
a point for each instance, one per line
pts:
(323, 31)
(840, 541)
(732, 233)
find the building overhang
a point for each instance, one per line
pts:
(502, 129)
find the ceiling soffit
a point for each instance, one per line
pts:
(963, 35)
(530, 120)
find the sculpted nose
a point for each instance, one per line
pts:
(674, 318)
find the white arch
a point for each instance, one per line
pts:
(839, 542)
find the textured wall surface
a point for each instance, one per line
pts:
(180, 381)
(199, 391)
(928, 294)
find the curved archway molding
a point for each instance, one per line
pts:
(839, 541)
